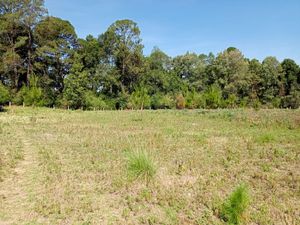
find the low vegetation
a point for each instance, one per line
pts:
(149, 167)
(233, 209)
(141, 165)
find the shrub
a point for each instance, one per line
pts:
(291, 101)
(161, 101)
(276, 102)
(195, 100)
(75, 87)
(233, 209)
(31, 95)
(230, 102)
(244, 102)
(141, 166)
(94, 102)
(139, 99)
(213, 97)
(168, 102)
(4, 94)
(256, 104)
(180, 102)
(156, 101)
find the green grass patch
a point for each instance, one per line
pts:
(234, 208)
(265, 138)
(141, 166)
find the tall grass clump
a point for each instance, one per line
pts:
(234, 207)
(141, 166)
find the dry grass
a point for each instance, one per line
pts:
(75, 170)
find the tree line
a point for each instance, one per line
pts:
(44, 63)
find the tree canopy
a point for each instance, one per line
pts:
(43, 62)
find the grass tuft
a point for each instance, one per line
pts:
(233, 209)
(141, 166)
(265, 138)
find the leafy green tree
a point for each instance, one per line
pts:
(192, 69)
(12, 44)
(122, 47)
(255, 72)
(108, 80)
(199, 81)
(231, 73)
(91, 56)
(271, 84)
(32, 12)
(76, 86)
(291, 73)
(18, 19)
(185, 66)
(159, 75)
(158, 60)
(56, 40)
(157, 72)
(155, 81)
(291, 80)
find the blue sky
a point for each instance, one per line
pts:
(259, 28)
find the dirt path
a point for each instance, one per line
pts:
(16, 189)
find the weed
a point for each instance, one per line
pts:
(233, 209)
(141, 166)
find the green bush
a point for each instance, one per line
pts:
(94, 102)
(256, 104)
(32, 95)
(233, 209)
(4, 94)
(161, 101)
(244, 102)
(195, 100)
(291, 101)
(213, 97)
(141, 166)
(276, 102)
(231, 101)
(139, 99)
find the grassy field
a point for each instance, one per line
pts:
(74, 167)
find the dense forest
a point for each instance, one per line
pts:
(44, 63)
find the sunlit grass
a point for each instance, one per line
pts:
(178, 166)
(141, 166)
